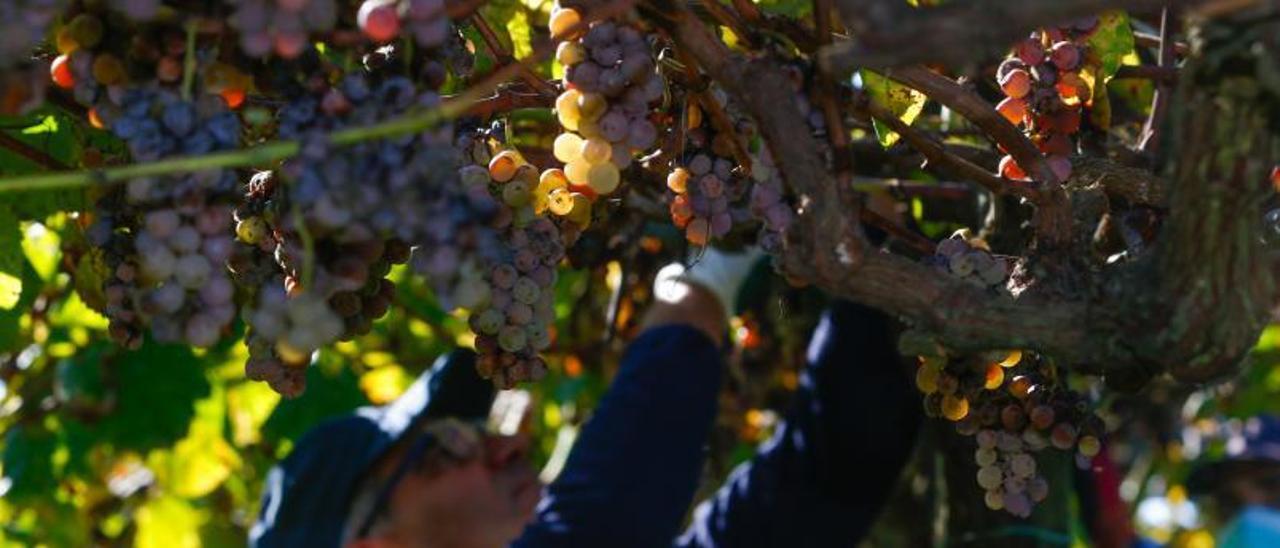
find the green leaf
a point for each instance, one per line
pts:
(331, 391)
(905, 103)
(10, 259)
(1111, 42)
(156, 390)
(28, 462)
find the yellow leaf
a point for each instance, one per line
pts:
(384, 384)
(168, 522)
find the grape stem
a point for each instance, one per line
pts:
(1150, 144)
(189, 62)
(503, 56)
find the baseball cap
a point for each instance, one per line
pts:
(306, 497)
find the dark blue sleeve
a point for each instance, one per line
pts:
(832, 463)
(632, 473)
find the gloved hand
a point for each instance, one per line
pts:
(720, 272)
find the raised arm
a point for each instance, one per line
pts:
(830, 466)
(635, 466)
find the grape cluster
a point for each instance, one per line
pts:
(1016, 405)
(285, 330)
(709, 189)
(1045, 92)
(102, 54)
(971, 260)
(512, 324)
(166, 240)
(768, 203)
(385, 20)
(611, 81)
(282, 27)
(25, 22)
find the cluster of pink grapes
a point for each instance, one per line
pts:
(1046, 92)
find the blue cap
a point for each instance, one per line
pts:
(1258, 443)
(306, 497)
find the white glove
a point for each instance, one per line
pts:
(720, 272)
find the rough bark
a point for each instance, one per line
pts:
(1191, 305)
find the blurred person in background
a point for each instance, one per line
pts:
(423, 472)
(1241, 492)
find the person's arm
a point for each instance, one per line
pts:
(831, 465)
(633, 471)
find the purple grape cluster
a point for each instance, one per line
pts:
(166, 240)
(512, 319)
(970, 260)
(282, 27)
(24, 25)
(768, 203)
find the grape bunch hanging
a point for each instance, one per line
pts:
(1015, 403)
(164, 240)
(1044, 81)
(611, 83)
(709, 188)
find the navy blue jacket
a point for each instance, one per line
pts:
(820, 481)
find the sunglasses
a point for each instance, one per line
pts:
(448, 442)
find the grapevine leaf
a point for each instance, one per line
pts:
(1111, 42)
(41, 247)
(169, 521)
(1134, 94)
(905, 103)
(156, 390)
(11, 260)
(200, 462)
(521, 34)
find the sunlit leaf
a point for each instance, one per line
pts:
(384, 384)
(10, 259)
(521, 34)
(1111, 42)
(41, 248)
(169, 522)
(248, 406)
(905, 103)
